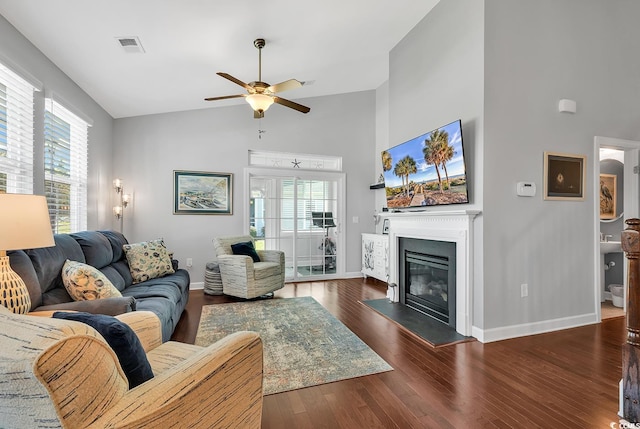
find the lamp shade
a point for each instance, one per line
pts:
(24, 222)
(259, 102)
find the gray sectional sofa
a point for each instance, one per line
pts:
(41, 271)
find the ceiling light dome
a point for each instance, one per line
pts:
(259, 102)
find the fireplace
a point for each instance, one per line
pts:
(427, 277)
(442, 226)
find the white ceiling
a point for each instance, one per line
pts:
(340, 45)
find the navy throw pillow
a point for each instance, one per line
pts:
(245, 249)
(121, 338)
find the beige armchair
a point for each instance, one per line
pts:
(59, 373)
(243, 278)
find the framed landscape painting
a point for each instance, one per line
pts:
(608, 196)
(564, 176)
(198, 192)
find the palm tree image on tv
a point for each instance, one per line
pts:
(405, 168)
(427, 170)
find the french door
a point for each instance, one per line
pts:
(300, 215)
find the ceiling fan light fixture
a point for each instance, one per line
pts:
(259, 102)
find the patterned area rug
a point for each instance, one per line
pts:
(304, 345)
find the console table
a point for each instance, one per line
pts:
(375, 256)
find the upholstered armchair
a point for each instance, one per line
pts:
(242, 277)
(60, 373)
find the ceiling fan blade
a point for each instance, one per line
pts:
(292, 105)
(285, 86)
(236, 81)
(224, 97)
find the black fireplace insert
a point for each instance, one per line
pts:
(428, 277)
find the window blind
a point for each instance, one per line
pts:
(16, 133)
(311, 196)
(65, 164)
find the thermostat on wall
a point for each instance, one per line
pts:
(526, 189)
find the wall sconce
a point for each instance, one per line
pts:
(124, 201)
(117, 185)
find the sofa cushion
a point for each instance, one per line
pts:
(48, 261)
(262, 270)
(84, 282)
(117, 240)
(122, 339)
(245, 248)
(96, 248)
(148, 260)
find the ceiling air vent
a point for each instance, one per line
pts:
(130, 44)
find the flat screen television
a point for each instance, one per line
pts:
(428, 170)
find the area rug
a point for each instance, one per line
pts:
(435, 333)
(304, 345)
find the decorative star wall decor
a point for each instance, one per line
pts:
(296, 163)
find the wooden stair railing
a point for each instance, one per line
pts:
(630, 239)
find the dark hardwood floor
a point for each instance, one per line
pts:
(564, 379)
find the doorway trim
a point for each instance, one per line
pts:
(631, 203)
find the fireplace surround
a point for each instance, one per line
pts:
(446, 226)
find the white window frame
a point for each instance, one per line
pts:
(78, 178)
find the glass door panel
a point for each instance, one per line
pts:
(298, 216)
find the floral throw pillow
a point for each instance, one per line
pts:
(84, 282)
(148, 260)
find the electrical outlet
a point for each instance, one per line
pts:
(524, 290)
(189, 262)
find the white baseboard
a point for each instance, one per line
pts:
(196, 285)
(352, 275)
(514, 331)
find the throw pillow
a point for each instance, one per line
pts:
(245, 248)
(122, 339)
(84, 282)
(148, 260)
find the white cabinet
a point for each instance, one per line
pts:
(375, 256)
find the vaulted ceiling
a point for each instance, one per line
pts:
(336, 46)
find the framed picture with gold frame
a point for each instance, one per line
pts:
(565, 176)
(608, 207)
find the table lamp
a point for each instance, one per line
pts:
(24, 224)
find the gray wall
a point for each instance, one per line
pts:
(535, 54)
(502, 66)
(436, 77)
(149, 148)
(18, 53)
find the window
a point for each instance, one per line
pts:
(16, 133)
(65, 165)
(312, 196)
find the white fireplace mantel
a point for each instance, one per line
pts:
(451, 226)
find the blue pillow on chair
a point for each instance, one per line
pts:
(247, 249)
(121, 338)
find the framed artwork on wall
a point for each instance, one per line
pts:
(199, 192)
(564, 176)
(608, 196)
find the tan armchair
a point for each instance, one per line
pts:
(59, 373)
(243, 278)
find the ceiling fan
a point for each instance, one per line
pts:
(260, 95)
